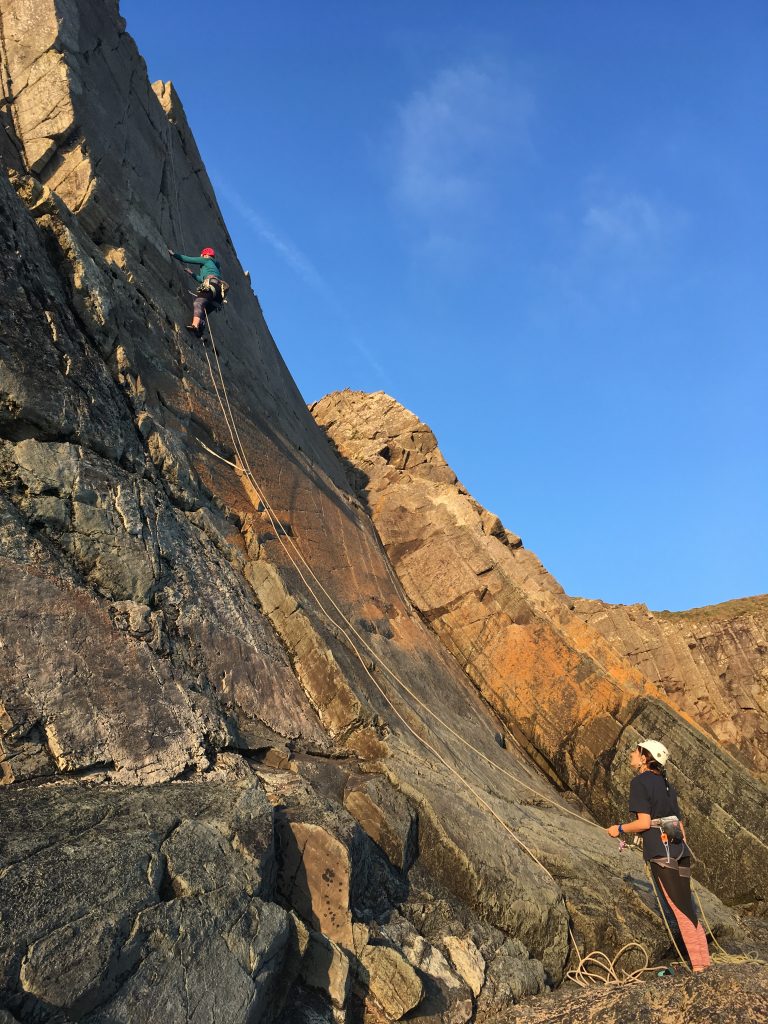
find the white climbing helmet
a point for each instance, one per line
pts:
(657, 750)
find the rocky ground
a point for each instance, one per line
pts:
(724, 993)
(227, 899)
(235, 786)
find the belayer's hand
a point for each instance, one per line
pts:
(613, 831)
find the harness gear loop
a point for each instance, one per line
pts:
(670, 832)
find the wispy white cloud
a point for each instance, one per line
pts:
(616, 242)
(625, 220)
(283, 246)
(451, 135)
(305, 269)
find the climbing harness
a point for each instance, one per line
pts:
(213, 287)
(670, 831)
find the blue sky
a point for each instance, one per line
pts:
(542, 226)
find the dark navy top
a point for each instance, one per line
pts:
(648, 795)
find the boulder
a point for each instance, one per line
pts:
(329, 871)
(467, 961)
(326, 966)
(391, 981)
(447, 997)
(386, 816)
(511, 977)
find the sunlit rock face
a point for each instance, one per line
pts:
(569, 696)
(291, 845)
(712, 663)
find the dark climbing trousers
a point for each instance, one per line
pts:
(675, 887)
(203, 305)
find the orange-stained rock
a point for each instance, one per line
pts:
(711, 662)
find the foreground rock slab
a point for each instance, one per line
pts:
(138, 904)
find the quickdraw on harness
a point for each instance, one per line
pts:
(670, 832)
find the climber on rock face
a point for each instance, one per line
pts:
(211, 290)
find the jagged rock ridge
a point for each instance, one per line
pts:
(155, 633)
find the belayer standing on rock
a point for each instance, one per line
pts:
(654, 802)
(211, 287)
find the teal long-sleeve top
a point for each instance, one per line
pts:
(207, 265)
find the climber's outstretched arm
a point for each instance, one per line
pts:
(197, 260)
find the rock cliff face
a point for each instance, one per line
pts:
(711, 662)
(565, 693)
(219, 801)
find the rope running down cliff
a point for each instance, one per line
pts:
(582, 974)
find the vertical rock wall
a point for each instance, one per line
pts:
(155, 629)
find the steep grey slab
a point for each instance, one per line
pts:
(135, 903)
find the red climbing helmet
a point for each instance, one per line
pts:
(207, 252)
